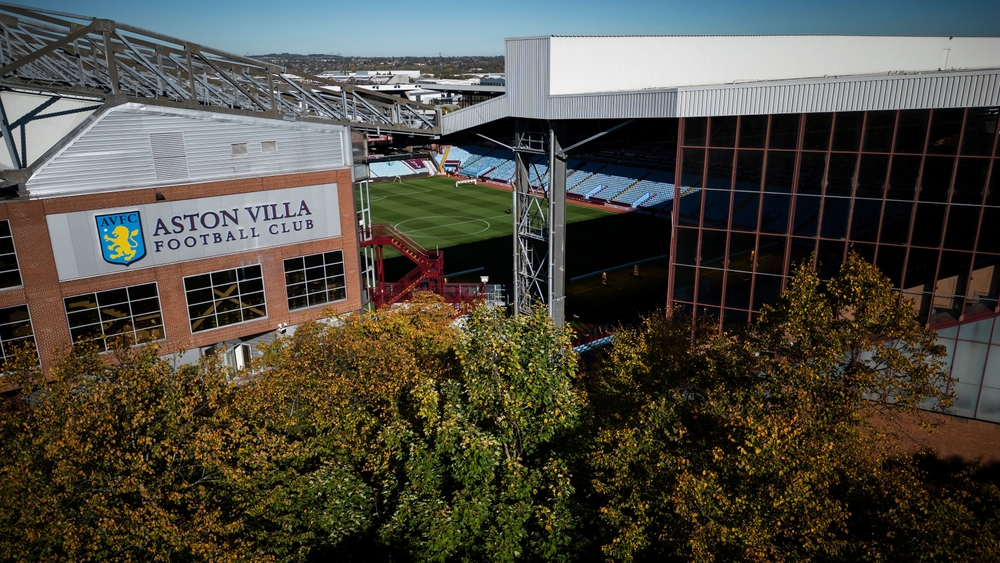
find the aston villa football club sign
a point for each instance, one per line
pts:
(121, 237)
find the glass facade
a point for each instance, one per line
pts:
(315, 279)
(15, 331)
(915, 191)
(132, 312)
(10, 274)
(225, 297)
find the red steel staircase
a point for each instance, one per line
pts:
(429, 272)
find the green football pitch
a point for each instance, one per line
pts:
(474, 228)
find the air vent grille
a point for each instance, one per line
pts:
(169, 158)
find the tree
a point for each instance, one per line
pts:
(117, 457)
(758, 447)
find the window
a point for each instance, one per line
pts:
(315, 279)
(131, 312)
(10, 276)
(239, 149)
(225, 297)
(267, 147)
(15, 331)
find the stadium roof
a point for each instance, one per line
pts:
(590, 77)
(109, 62)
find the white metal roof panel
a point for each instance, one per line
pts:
(115, 152)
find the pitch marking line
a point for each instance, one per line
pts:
(469, 220)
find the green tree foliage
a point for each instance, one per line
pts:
(403, 435)
(759, 447)
(117, 458)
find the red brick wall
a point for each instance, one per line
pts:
(43, 292)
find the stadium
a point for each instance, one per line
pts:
(613, 175)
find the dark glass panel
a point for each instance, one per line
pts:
(254, 299)
(864, 221)
(720, 169)
(693, 168)
(10, 279)
(784, 131)
(774, 213)
(710, 286)
(871, 175)
(903, 177)
(911, 131)
(733, 321)
(989, 231)
(203, 323)
(864, 250)
(115, 312)
(970, 180)
(334, 269)
(896, 222)
(687, 247)
(84, 317)
(811, 170)
(315, 273)
(717, 208)
(745, 210)
(8, 263)
(920, 268)
(707, 316)
(297, 276)
(780, 172)
(771, 254)
(249, 272)
(890, 261)
(738, 289)
(984, 287)
(806, 216)
(293, 264)
(713, 248)
(229, 317)
(741, 251)
(295, 290)
(840, 176)
(4, 228)
(333, 257)
(878, 131)
(830, 257)
(801, 251)
(927, 224)
(254, 313)
(963, 222)
(723, 131)
(694, 131)
(817, 135)
(847, 131)
(86, 334)
(144, 291)
(228, 304)
(112, 297)
(690, 208)
(340, 292)
(317, 298)
(251, 286)
(224, 277)
(6, 245)
(765, 290)
(936, 178)
(993, 195)
(86, 301)
(684, 283)
(946, 124)
(202, 310)
(749, 170)
(200, 296)
(949, 290)
(835, 215)
(313, 260)
(753, 131)
(980, 130)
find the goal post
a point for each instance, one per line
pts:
(397, 180)
(470, 181)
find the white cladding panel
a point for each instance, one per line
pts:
(52, 120)
(580, 65)
(115, 151)
(179, 231)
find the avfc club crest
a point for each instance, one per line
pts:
(121, 237)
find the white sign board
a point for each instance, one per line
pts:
(108, 241)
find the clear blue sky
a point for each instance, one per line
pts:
(393, 28)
